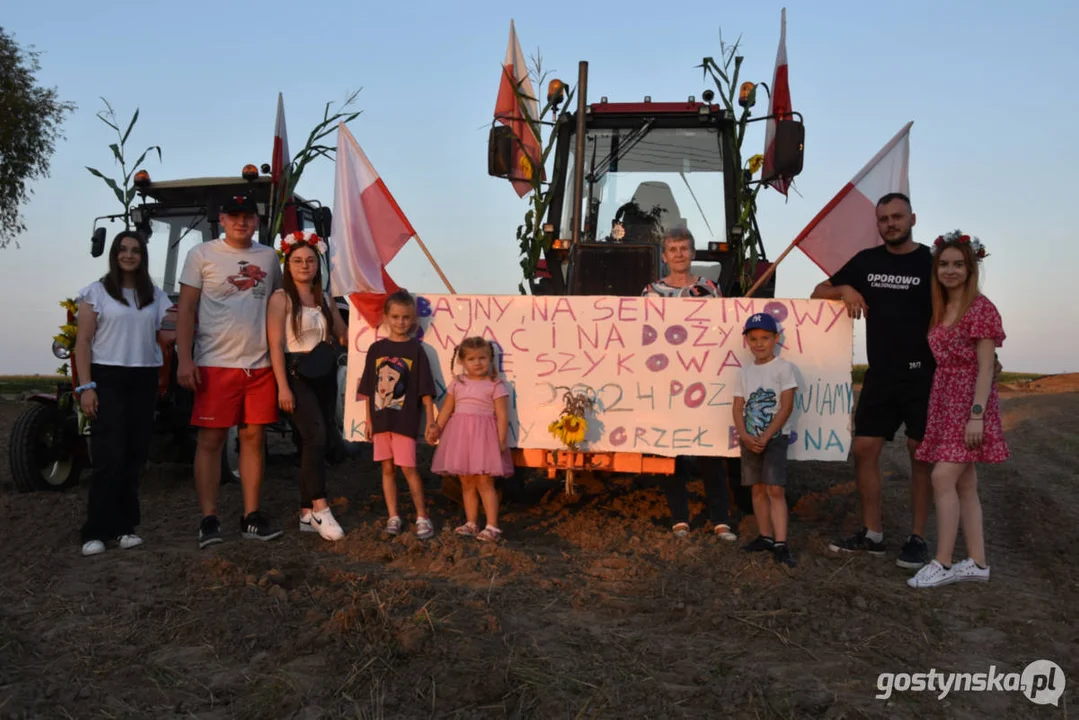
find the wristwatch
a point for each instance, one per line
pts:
(977, 410)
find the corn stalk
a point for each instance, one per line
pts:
(124, 190)
(531, 238)
(725, 77)
(312, 149)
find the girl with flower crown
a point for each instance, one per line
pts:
(963, 426)
(301, 320)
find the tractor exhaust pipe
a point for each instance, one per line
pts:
(578, 156)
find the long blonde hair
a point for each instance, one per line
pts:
(968, 293)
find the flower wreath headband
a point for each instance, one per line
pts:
(958, 237)
(299, 238)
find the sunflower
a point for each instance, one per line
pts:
(557, 430)
(573, 429)
(755, 163)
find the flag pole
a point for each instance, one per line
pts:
(434, 264)
(772, 270)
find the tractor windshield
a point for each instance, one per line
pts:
(640, 182)
(171, 239)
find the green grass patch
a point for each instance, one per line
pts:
(13, 384)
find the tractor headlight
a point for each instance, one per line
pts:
(60, 351)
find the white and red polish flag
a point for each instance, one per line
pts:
(279, 165)
(368, 231)
(516, 108)
(779, 108)
(848, 223)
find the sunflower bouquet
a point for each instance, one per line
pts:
(66, 337)
(571, 426)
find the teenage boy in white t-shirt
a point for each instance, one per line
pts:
(225, 286)
(763, 403)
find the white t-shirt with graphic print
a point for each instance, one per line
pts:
(760, 387)
(236, 284)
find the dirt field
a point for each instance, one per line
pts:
(590, 609)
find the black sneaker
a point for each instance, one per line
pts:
(209, 531)
(914, 555)
(857, 543)
(782, 554)
(257, 526)
(760, 544)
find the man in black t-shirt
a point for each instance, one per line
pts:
(889, 286)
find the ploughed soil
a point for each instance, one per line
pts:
(590, 608)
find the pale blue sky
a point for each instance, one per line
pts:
(989, 86)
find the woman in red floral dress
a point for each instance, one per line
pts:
(963, 426)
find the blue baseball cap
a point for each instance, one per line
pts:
(761, 321)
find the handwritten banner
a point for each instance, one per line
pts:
(662, 370)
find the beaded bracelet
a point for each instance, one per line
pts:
(88, 386)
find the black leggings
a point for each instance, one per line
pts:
(119, 443)
(315, 419)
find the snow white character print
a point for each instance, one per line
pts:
(392, 382)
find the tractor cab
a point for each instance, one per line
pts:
(625, 174)
(176, 215)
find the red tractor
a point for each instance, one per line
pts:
(623, 174)
(48, 446)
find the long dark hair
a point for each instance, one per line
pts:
(114, 280)
(288, 284)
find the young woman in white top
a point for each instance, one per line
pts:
(300, 321)
(118, 358)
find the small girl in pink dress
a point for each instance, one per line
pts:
(963, 425)
(471, 435)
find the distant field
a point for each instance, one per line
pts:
(1005, 377)
(12, 384)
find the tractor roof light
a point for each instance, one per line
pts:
(266, 169)
(141, 179)
(556, 92)
(747, 98)
(250, 172)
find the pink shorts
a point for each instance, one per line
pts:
(399, 448)
(233, 396)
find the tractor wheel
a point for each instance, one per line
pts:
(36, 462)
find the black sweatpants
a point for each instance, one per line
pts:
(314, 418)
(119, 443)
(714, 475)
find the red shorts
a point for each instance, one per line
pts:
(234, 396)
(399, 448)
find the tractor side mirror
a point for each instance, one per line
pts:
(97, 242)
(788, 148)
(323, 221)
(500, 151)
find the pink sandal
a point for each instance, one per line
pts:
(469, 529)
(489, 534)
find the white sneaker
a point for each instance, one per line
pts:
(324, 523)
(932, 575)
(969, 570)
(305, 521)
(93, 547)
(129, 541)
(723, 532)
